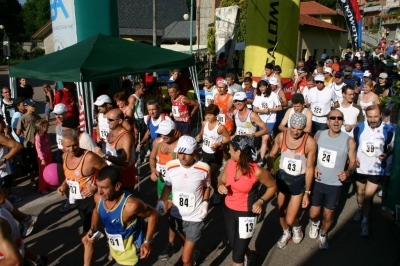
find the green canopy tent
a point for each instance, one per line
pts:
(99, 58)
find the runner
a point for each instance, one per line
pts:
(180, 109)
(80, 169)
(319, 101)
(336, 149)
(239, 182)
(189, 181)
(373, 139)
(247, 121)
(126, 237)
(162, 153)
(295, 175)
(214, 136)
(266, 105)
(104, 104)
(297, 107)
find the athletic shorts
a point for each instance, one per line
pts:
(289, 184)
(85, 208)
(316, 126)
(210, 158)
(160, 187)
(184, 127)
(270, 126)
(191, 230)
(325, 195)
(375, 179)
(6, 181)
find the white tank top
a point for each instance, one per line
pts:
(363, 104)
(103, 127)
(210, 137)
(4, 168)
(246, 126)
(15, 237)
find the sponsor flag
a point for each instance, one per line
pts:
(351, 13)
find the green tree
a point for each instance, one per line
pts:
(211, 40)
(35, 14)
(11, 19)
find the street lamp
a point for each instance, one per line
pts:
(186, 17)
(6, 45)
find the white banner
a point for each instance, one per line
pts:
(63, 23)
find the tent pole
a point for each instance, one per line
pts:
(90, 108)
(85, 96)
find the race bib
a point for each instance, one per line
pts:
(209, 100)
(318, 110)
(291, 166)
(104, 132)
(327, 158)
(74, 189)
(208, 142)
(161, 169)
(370, 148)
(243, 131)
(59, 144)
(184, 201)
(116, 242)
(250, 106)
(247, 227)
(175, 111)
(264, 105)
(221, 118)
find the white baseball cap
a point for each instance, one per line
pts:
(367, 73)
(383, 75)
(102, 99)
(60, 108)
(165, 127)
(328, 70)
(273, 81)
(319, 77)
(240, 96)
(186, 144)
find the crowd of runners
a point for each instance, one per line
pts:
(301, 142)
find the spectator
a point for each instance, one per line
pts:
(24, 89)
(7, 108)
(48, 91)
(43, 149)
(67, 96)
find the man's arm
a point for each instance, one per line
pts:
(86, 240)
(309, 121)
(257, 120)
(14, 146)
(124, 148)
(191, 103)
(152, 160)
(131, 101)
(12, 257)
(274, 152)
(282, 95)
(282, 125)
(311, 150)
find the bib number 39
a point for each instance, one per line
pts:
(247, 227)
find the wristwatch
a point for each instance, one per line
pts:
(4, 159)
(308, 191)
(148, 240)
(262, 200)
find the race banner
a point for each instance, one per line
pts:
(351, 13)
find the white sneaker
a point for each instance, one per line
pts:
(297, 234)
(323, 242)
(313, 233)
(285, 238)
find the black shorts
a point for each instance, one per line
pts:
(85, 208)
(316, 126)
(210, 158)
(30, 157)
(7, 181)
(184, 127)
(289, 184)
(325, 195)
(362, 178)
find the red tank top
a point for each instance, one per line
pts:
(242, 192)
(180, 110)
(225, 112)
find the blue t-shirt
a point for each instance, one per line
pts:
(14, 123)
(359, 74)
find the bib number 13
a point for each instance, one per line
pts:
(247, 227)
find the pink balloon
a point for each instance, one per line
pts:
(50, 174)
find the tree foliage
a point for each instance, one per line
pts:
(35, 14)
(11, 19)
(211, 40)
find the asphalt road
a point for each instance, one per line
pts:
(58, 234)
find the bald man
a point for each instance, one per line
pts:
(120, 149)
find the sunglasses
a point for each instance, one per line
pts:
(112, 120)
(319, 82)
(340, 118)
(235, 101)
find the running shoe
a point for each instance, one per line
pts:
(285, 238)
(364, 229)
(249, 261)
(313, 233)
(66, 207)
(216, 198)
(359, 215)
(297, 234)
(167, 253)
(43, 261)
(323, 242)
(383, 192)
(27, 224)
(14, 199)
(195, 256)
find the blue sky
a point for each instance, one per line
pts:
(22, 1)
